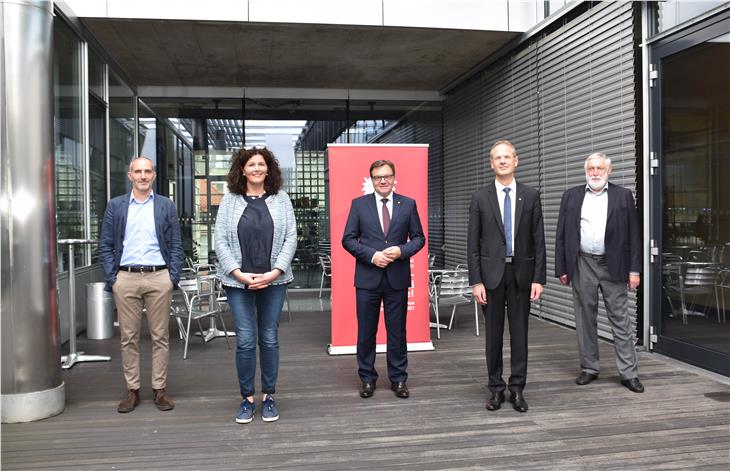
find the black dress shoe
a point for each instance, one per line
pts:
(367, 390)
(495, 402)
(400, 389)
(633, 384)
(585, 378)
(518, 402)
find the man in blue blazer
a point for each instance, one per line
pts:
(383, 232)
(598, 247)
(141, 254)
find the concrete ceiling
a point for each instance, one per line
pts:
(217, 54)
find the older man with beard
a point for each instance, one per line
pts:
(597, 247)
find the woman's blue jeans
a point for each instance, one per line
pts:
(257, 310)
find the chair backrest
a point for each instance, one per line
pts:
(326, 262)
(206, 284)
(453, 283)
(699, 276)
(188, 284)
(205, 269)
(325, 246)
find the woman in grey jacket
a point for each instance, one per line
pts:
(255, 240)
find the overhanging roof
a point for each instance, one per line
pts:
(160, 53)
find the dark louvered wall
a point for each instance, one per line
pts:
(559, 97)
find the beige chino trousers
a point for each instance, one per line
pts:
(132, 292)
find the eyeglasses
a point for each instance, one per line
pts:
(382, 178)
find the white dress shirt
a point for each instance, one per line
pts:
(593, 215)
(379, 205)
(513, 203)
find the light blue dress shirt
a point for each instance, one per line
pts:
(141, 246)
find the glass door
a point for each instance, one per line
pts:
(691, 222)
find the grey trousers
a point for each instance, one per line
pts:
(592, 275)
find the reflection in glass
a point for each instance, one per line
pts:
(696, 214)
(97, 171)
(96, 75)
(69, 166)
(121, 134)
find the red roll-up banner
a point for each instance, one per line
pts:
(349, 178)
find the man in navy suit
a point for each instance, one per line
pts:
(506, 254)
(383, 232)
(141, 254)
(598, 247)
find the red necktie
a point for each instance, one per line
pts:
(386, 216)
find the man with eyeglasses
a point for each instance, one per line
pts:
(383, 232)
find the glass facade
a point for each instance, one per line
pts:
(691, 220)
(121, 133)
(68, 139)
(97, 171)
(696, 216)
(307, 192)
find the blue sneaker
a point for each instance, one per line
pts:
(245, 412)
(269, 412)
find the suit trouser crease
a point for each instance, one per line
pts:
(591, 275)
(132, 292)
(517, 304)
(395, 306)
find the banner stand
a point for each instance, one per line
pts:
(349, 178)
(380, 348)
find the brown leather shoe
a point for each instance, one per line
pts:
(162, 400)
(130, 401)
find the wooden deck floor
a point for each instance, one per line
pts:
(681, 422)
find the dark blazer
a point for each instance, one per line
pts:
(167, 227)
(622, 240)
(364, 236)
(486, 246)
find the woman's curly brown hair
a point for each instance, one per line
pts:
(236, 180)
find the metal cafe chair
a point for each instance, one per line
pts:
(326, 263)
(722, 284)
(691, 282)
(199, 303)
(451, 288)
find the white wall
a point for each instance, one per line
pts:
(496, 15)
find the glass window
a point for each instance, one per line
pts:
(96, 75)
(121, 134)
(672, 13)
(68, 152)
(97, 170)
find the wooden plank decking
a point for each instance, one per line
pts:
(682, 421)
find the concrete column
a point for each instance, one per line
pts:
(32, 387)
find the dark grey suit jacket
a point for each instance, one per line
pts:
(486, 246)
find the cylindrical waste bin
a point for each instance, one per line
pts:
(99, 312)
